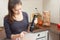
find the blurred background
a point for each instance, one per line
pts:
(29, 5)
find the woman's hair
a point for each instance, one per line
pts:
(11, 5)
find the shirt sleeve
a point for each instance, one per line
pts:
(27, 20)
(7, 28)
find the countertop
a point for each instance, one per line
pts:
(53, 28)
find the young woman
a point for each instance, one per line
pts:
(16, 22)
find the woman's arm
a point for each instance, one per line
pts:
(7, 28)
(28, 27)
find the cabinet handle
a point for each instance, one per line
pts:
(38, 35)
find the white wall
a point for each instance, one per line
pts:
(28, 6)
(3, 10)
(59, 11)
(53, 7)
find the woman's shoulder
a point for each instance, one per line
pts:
(6, 18)
(25, 13)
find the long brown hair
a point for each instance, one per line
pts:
(11, 5)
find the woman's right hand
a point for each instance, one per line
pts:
(15, 37)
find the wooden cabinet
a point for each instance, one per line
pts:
(54, 36)
(2, 33)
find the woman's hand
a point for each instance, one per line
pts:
(22, 34)
(15, 37)
(18, 36)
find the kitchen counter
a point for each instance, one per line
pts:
(54, 32)
(54, 29)
(41, 29)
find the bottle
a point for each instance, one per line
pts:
(34, 21)
(33, 24)
(46, 18)
(39, 18)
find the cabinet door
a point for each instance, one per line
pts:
(42, 35)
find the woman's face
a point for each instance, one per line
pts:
(17, 9)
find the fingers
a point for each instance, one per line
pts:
(24, 32)
(21, 34)
(18, 38)
(15, 37)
